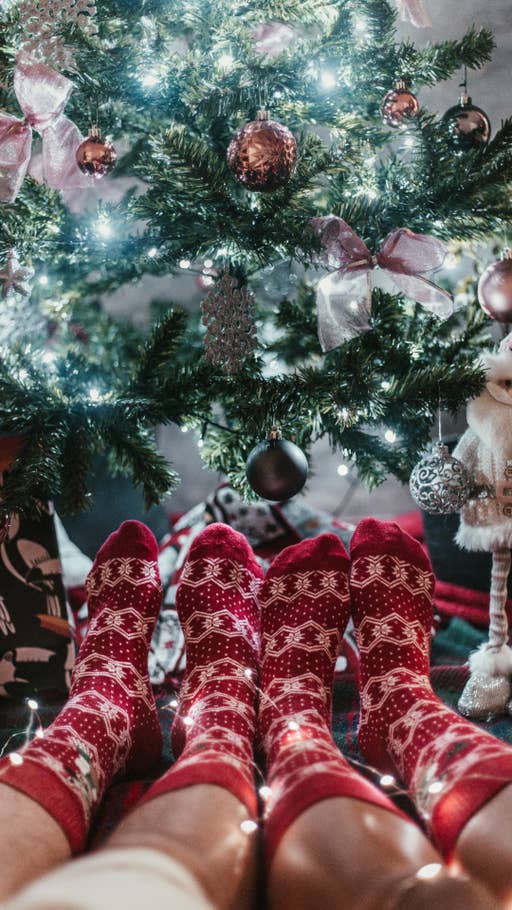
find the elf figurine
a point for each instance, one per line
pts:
(485, 450)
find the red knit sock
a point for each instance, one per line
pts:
(450, 766)
(305, 608)
(213, 732)
(110, 724)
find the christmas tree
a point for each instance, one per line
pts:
(332, 148)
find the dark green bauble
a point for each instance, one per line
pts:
(276, 469)
(468, 125)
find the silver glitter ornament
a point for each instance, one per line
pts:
(485, 697)
(42, 21)
(228, 315)
(440, 484)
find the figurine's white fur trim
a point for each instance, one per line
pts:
(490, 420)
(494, 537)
(490, 662)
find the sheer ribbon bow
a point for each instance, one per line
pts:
(344, 296)
(42, 94)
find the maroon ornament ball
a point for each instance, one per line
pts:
(95, 156)
(276, 468)
(398, 106)
(495, 289)
(263, 154)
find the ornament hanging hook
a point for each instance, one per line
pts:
(439, 422)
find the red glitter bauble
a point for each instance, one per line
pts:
(95, 156)
(263, 154)
(495, 289)
(398, 106)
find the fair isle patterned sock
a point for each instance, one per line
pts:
(305, 608)
(450, 766)
(213, 731)
(109, 724)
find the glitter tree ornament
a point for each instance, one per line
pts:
(42, 21)
(440, 484)
(15, 278)
(228, 312)
(263, 154)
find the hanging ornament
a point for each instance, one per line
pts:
(42, 22)
(263, 154)
(228, 314)
(276, 468)
(440, 484)
(468, 125)
(15, 277)
(495, 289)
(95, 156)
(399, 106)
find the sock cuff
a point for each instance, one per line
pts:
(454, 810)
(57, 799)
(220, 774)
(324, 786)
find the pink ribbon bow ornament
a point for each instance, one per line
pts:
(42, 94)
(344, 296)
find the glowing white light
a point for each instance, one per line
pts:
(385, 385)
(184, 263)
(184, 429)
(149, 79)
(265, 792)
(409, 142)
(372, 194)
(53, 228)
(342, 470)
(43, 279)
(152, 252)
(208, 281)
(328, 79)
(225, 61)
(435, 787)
(104, 228)
(208, 263)
(32, 704)
(293, 726)
(15, 758)
(188, 721)
(360, 25)
(40, 733)
(248, 826)
(174, 703)
(387, 780)
(450, 262)
(390, 436)
(248, 672)
(429, 871)
(48, 357)
(353, 305)
(200, 443)
(343, 413)
(22, 374)
(94, 394)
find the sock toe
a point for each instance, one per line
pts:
(132, 538)
(373, 537)
(325, 551)
(218, 539)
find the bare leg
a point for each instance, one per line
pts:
(32, 842)
(200, 827)
(484, 848)
(347, 855)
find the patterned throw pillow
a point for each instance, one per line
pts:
(36, 642)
